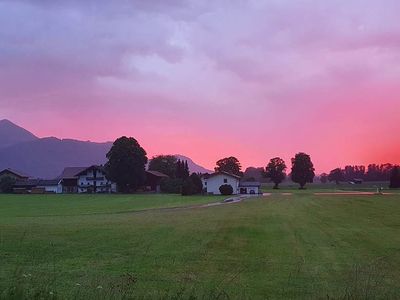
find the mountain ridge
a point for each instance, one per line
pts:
(11, 134)
(47, 157)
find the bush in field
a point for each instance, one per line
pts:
(171, 185)
(188, 187)
(6, 184)
(226, 189)
(192, 185)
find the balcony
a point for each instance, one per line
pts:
(94, 178)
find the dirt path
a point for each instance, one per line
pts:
(231, 200)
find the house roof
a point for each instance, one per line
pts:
(94, 167)
(220, 173)
(71, 172)
(158, 174)
(15, 172)
(250, 184)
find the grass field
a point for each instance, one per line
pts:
(298, 246)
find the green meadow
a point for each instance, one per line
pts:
(283, 246)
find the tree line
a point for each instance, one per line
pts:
(127, 162)
(359, 173)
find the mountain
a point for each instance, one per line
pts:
(193, 167)
(11, 134)
(47, 157)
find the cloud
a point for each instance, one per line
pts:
(217, 68)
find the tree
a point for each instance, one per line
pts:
(230, 165)
(197, 183)
(166, 164)
(186, 171)
(275, 170)
(302, 169)
(258, 174)
(336, 175)
(126, 164)
(353, 172)
(182, 169)
(395, 178)
(171, 185)
(323, 178)
(6, 184)
(188, 187)
(226, 189)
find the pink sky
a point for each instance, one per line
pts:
(207, 79)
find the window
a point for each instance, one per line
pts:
(225, 180)
(205, 183)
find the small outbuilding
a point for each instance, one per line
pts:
(153, 180)
(249, 187)
(36, 186)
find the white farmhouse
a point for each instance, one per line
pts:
(212, 182)
(86, 180)
(93, 180)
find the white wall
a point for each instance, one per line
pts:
(256, 190)
(51, 188)
(101, 185)
(213, 183)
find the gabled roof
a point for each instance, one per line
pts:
(15, 172)
(71, 172)
(220, 173)
(94, 167)
(158, 174)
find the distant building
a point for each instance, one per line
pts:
(16, 175)
(85, 180)
(36, 186)
(249, 187)
(153, 180)
(76, 180)
(212, 182)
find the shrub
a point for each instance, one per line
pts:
(188, 187)
(226, 189)
(197, 183)
(171, 185)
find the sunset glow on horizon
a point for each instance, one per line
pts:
(208, 79)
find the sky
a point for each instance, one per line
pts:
(209, 78)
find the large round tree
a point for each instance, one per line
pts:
(302, 169)
(165, 164)
(276, 171)
(126, 164)
(230, 165)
